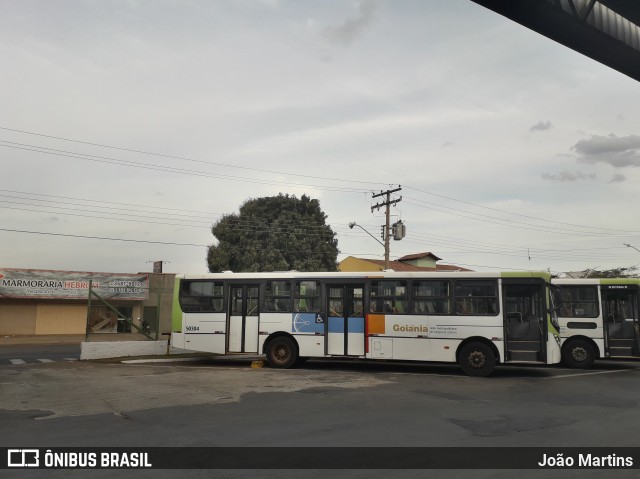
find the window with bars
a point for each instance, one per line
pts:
(579, 302)
(306, 297)
(389, 297)
(431, 297)
(198, 296)
(476, 297)
(277, 297)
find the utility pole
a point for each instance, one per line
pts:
(386, 203)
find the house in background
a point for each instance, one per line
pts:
(413, 262)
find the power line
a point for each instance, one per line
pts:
(600, 232)
(101, 238)
(498, 248)
(137, 220)
(519, 224)
(160, 155)
(257, 226)
(506, 212)
(103, 201)
(55, 203)
(85, 210)
(246, 223)
(288, 173)
(265, 230)
(167, 243)
(170, 169)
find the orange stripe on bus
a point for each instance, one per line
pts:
(376, 324)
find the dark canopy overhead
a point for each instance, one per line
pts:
(607, 31)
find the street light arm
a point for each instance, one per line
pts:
(351, 225)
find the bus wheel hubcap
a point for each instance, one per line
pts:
(579, 354)
(477, 359)
(282, 352)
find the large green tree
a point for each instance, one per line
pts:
(275, 233)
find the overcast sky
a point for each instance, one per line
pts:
(148, 120)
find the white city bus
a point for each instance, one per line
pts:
(598, 319)
(474, 319)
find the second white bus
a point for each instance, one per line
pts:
(598, 319)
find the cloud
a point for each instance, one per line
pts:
(568, 176)
(541, 126)
(618, 178)
(351, 28)
(618, 152)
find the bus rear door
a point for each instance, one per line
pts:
(345, 320)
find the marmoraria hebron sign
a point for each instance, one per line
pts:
(32, 283)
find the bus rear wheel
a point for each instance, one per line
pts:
(282, 353)
(578, 354)
(477, 359)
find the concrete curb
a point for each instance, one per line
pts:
(121, 349)
(163, 360)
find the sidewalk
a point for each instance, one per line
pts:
(146, 351)
(72, 338)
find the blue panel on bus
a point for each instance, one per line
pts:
(336, 325)
(356, 325)
(307, 323)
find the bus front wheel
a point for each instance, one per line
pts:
(578, 354)
(477, 359)
(282, 352)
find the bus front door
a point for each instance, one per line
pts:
(243, 319)
(525, 317)
(345, 320)
(620, 316)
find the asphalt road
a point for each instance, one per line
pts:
(18, 354)
(324, 404)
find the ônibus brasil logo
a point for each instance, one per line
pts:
(23, 457)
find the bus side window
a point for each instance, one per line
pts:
(217, 305)
(306, 296)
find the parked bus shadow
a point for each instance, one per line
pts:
(448, 369)
(618, 363)
(419, 368)
(397, 367)
(606, 365)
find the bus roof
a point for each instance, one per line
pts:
(364, 275)
(602, 281)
